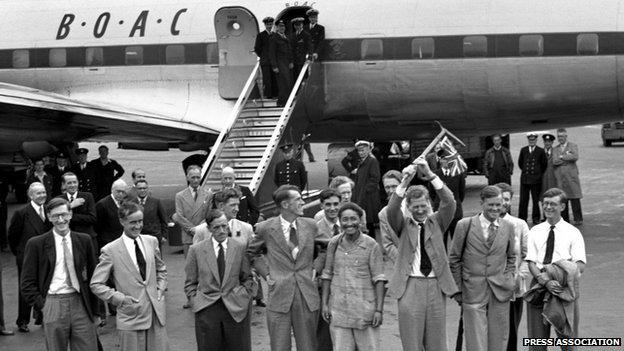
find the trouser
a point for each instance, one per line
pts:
(515, 316)
(215, 329)
(2, 325)
(323, 335)
(486, 324)
(300, 319)
(284, 82)
(534, 191)
(576, 210)
(351, 339)
(538, 327)
(152, 339)
(422, 315)
(67, 323)
(308, 150)
(4, 189)
(23, 308)
(268, 81)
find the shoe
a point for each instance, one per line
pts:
(260, 303)
(23, 328)
(186, 306)
(6, 332)
(39, 320)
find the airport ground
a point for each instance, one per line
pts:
(602, 284)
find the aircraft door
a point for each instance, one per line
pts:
(236, 29)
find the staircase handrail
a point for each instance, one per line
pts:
(277, 132)
(238, 107)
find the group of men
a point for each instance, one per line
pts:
(282, 57)
(542, 169)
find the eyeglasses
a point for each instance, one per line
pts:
(56, 217)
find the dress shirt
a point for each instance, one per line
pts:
(40, 176)
(286, 231)
(38, 208)
(69, 196)
(194, 192)
(59, 277)
(129, 242)
(142, 200)
(569, 243)
(485, 225)
(331, 224)
(215, 246)
(531, 149)
(115, 201)
(82, 166)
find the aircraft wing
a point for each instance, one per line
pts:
(28, 114)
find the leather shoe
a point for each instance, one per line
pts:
(6, 332)
(23, 328)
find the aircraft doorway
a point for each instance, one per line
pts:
(236, 29)
(293, 12)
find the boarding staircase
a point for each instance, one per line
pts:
(251, 137)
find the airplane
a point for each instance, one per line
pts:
(159, 74)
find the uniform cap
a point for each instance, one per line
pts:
(531, 135)
(548, 137)
(82, 151)
(297, 20)
(312, 12)
(268, 20)
(362, 142)
(280, 22)
(61, 155)
(286, 147)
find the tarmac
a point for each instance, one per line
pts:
(602, 284)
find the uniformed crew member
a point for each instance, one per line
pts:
(317, 33)
(532, 161)
(83, 170)
(281, 57)
(290, 171)
(301, 45)
(261, 47)
(549, 180)
(57, 172)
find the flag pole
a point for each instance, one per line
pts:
(437, 139)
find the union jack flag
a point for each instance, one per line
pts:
(455, 164)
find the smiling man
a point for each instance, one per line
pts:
(82, 205)
(482, 261)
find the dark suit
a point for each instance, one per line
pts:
(107, 226)
(154, 218)
(57, 179)
(280, 55)
(83, 216)
(261, 47)
(248, 210)
(301, 45)
(291, 172)
(317, 38)
(105, 175)
(221, 307)
(366, 190)
(25, 224)
(457, 184)
(533, 165)
(86, 178)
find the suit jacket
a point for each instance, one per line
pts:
(86, 178)
(115, 262)
(189, 212)
(57, 180)
(107, 226)
(389, 238)
(154, 218)
(25, 224)
(408, 232)
(457, 185)
(290, 172)
(39, 262)
(479, 267)
(261, 47)
(488, 160)
(366, 190)
(286, 273)
(84, 216)
(301, 45)
(533, 165)
(549, 180)
(248, 210)
(280, 52)
(317, 38)
(566, 172)
(203, 285)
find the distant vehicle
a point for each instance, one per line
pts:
(612, 132)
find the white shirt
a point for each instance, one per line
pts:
(194, 192)
(69, 196)
(115, 201)
(215, 246)
(142, 200)
(38, 208)
(130, 247)
(569, 243)
(531, 148)
(485, 225)
(57, 284)
(286, 231)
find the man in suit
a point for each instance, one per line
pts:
(289, 170)
(40, 175)
(261, 48)
(84, 171)
(497, 162)
(134, 263)
(82, 206)
(248, 210)
(564, 160)
(137, 176)
(548, 180)
(26, 223)
(154, 217)
(421, 277)
(317, 33)
(58, 267)
(107, 226)
(532, 161)
(281, 57)
(482, 260)
(389, 238)
(3, 330)
(300, 44)
(107, 171)
(366, 190)
(219, 286)
(57, 172)
(289, 241)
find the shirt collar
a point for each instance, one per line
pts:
(126, 238)
(75, 195)
(331, 224)
(35, 206)
(498, 148)
(486, 222)
(286, 223)
(114, 200)
(215, 243)
(59, 236)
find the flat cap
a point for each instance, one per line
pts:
(286, 147)
(280, 22)
(61, 155)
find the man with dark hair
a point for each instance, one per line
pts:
(154, 217)
(482, 260)
(281, 57)
(107, 171)
(532, 161)
(301, 45)
(84, 171)
(290, 170)
(261, 48)
(554, 245)
(38, 174)
(289, 241)
(366, 190)
(27, 222)
(317, 34)
(457, 184)
(497, 162)
(57, 268)
(564, 160)
(82, 206)
(134, 263)
(248, 210)
(421, 277)
(389, 238)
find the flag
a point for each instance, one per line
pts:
(455, 164)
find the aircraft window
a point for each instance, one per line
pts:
(422, 48)
(475, 46)
(587, 44)
(21, 59)
(174, 54)
(134, 55)
(58, 58)
(372, 49)
(531, 45)
(212, 53)
(94, 57)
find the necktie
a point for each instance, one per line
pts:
(41, 213)
(69, 267)
(550, 245)
(336, 229)
(221, 262)
(140, 259)
(71, 198)
(491, 234)
(293, 236)
(195, 194)
(425, 263)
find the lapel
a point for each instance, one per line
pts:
(278, 236)
(149, 258)
(35, 215)
(211, 259)
(301, 236)
(478, 232)
(126, 259)
(188, 197)
(229, 257)
(77, 253)
(413, 235)
(498, 239)
(48, 246)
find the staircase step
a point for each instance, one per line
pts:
(252, 132)
(241, 141)
(242, 152)
(261, 112)
(241, 162)
(261, 103)
(256, 122)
